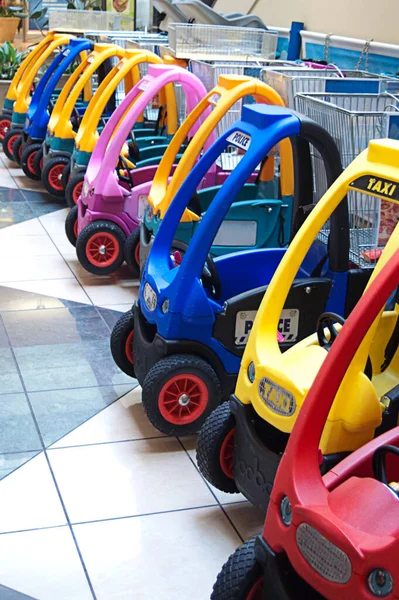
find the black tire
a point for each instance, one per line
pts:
(122, 343)
(8, 141)
(5, 124)
(37, 163)
(66, 175)
(70, 190)
(214, 432)
(71, 224)
(239, 575)
(132, 247)
(17, 150)
(28, 161)
(89, 236)
(180, 365)
(52, 175)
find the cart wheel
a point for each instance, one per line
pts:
(38, 163)
(122, 343)
(241, 577)
(66, 173)
(132, 252)
(215, 449)
(100, 247)
(5, 123)
(8, 142)
(71, 225)
(17, 149)
(74, 189)
(52, 175)
(179, 392)
(28, 161)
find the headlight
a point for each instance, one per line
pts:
(150, 297)
(86, 188)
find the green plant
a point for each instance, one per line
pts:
(8, 11)
(10, 60)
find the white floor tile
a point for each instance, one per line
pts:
(247, 519)
(118, 307)
(123, 420)
(29, 499)
(127, 478)
(171, 556)
(30, 227)
(29, 268)
(54, 223)
(68, 289)
(43, 564)
(30, 245)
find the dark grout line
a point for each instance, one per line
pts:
(212, 492)
(155, 437)
(81, 387)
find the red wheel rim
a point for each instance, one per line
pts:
(20, 151)
(54, 177)
(129, 347)
(11, 142)
(75, 229)
(41, 164)
(227, 454)
(256, 591)
(30, 163)
(183, 399)
(102, 249)
(137, 254)
(77, 191)
(4, 127)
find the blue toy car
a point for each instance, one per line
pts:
(186, 333)
(27, 150)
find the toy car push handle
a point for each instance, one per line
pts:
(260, 129)
(101, 52)
(374, 163)
(127, 70)
(22, 103)
(300, 463)
(102, 164)
(229, 90)
(27, 63)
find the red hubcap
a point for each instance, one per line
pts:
(41, 164)
(256, 592)
(75, 228)
(4, 127)
(227, 454)
(11, 142)
(102, 249)
(137, 254)
(129, 347)
(54, 177)
(77, 190)
(20, 151)
(183, 399)
(30, 163)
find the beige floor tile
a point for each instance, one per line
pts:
(127, 478)
(80, 272)
(24, 183)
(31, 245)
(29, 268)
(29, 499)
(30, 227)
(123, 420)
(68, 289)
(247, 519)
(104, 291)
(171, 556)
(43, 564)
(6, 180)
(223, 497)
(63, 245)
(119, 307)
(54, 223)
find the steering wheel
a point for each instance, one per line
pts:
(380, 463)
(134, 150)
(328, 320)
(209, 277)
(123, 166)
(75, 118)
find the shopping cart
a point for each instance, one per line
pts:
(353, 120)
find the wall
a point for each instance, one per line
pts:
(352, 18)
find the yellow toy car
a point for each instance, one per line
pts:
(240, 444)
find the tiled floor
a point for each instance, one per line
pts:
(94, 502)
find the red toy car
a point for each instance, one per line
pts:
(334, 537)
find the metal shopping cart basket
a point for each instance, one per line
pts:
(353, 120)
